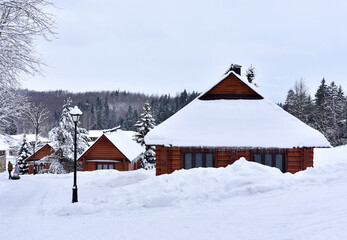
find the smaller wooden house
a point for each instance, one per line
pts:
(44, 151)
(113, 150)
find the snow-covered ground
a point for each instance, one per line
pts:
(242, 201)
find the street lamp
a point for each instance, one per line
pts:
(75, 114)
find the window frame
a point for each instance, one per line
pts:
(194, 152)
(273, 152)
(103, 164)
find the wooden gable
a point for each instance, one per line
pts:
(231, 87)
(103, 149)
(46, 150)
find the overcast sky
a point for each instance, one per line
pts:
(168, 46)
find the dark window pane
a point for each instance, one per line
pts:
(105, 166)
(187, 160)
(268, 159)
(198, 160)
(99, 166)
(209, 160)
(110, 166)
(279, 162)
(257, 158)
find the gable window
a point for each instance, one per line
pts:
(198, 159)
(270, 159)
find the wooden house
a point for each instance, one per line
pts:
(113, 150)
(232, 120)
(44, 151)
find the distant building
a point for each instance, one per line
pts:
(112, 150)
(44, 151)
(232, 120)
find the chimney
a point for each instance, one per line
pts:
(236, 68)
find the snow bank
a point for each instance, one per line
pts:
(245, 201)
(141, 189)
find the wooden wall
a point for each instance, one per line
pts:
(169, 159)
(231, 88)
(41, 153)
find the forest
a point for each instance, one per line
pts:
(101, 109)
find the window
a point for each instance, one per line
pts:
(270, 159)
(195, 160)
(101, 166)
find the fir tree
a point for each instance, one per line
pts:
(144, 125)
(23, 153)
(62, 137)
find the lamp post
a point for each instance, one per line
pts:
(75, 114)
(34, 157)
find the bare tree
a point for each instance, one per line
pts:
(37, 114)
(21, 22)
(12, 105)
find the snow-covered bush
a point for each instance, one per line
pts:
(62, 138)
(56, 167)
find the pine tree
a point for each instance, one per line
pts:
(144, 125)
(62, 137)
(23, 153)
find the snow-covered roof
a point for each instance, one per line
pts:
(30, 138)
(125, 144)
(95, 133)
(235, 123)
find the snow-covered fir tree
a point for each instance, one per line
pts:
(62, 138)
(143, 126)
(23, 153)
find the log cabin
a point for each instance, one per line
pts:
(44, 151)
(229, 121)
(113, 150)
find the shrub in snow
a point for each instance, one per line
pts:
(56, 167)
(144, 125)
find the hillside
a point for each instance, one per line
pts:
(105, 109)
(243, 201)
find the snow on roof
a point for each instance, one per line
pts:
(235, 123)
(30, 138)
(125, 144)
(95, 133)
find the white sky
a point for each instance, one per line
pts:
(168, 46)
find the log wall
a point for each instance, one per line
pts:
(169, 159)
